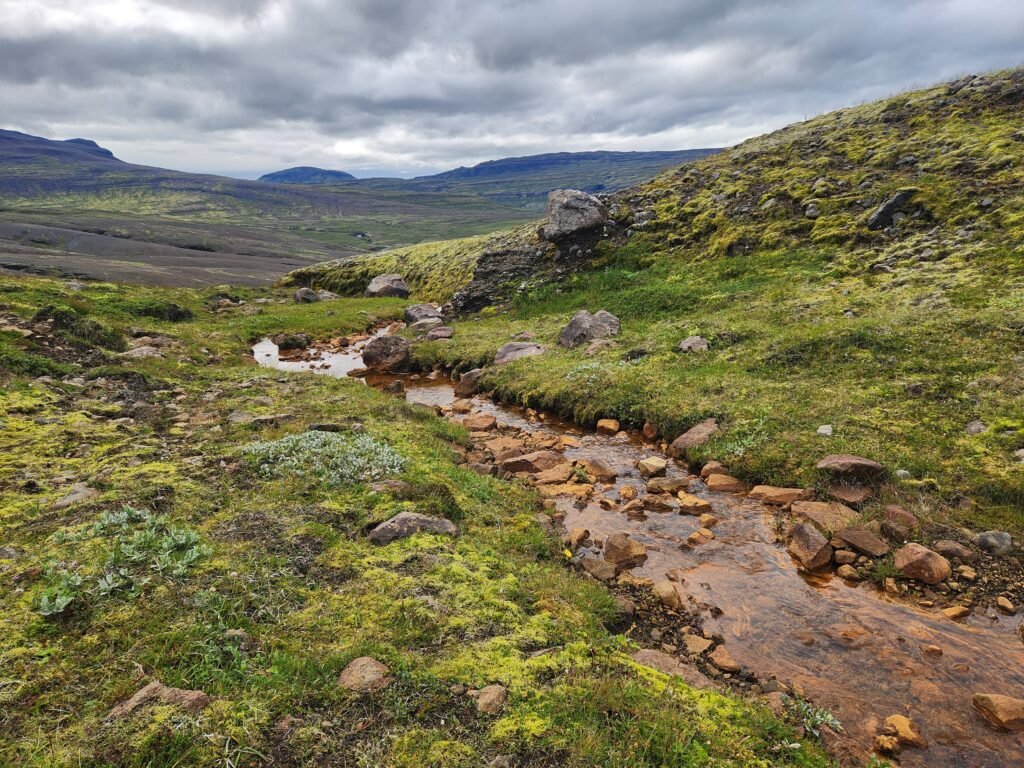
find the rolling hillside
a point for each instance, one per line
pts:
(862, 270)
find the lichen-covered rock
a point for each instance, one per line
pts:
(158, 693)
(569, 212)
(516, 350)
(390, 285)
(584, 327)
(406, 524)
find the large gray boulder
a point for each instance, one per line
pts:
(586, 327)
(386, 353)
(571, 211)
(516, 350)
(388, 285)
(406, 524)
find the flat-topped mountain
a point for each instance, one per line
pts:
(305, 174)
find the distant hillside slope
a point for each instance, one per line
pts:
(243, 230)
(524, 182)
(305, 174)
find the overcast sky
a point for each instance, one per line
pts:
(403, 87)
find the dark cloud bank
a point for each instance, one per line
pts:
(382, 86)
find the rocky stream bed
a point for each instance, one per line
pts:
(710, 591)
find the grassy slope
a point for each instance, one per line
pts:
(286, 561)
(804, 328)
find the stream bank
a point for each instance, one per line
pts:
(849, 648)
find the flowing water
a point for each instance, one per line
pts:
(848, 648)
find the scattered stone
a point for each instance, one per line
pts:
(724, 484)
(917, 562)
(386, 353)
(953, 549)
(693, 344)
(1005, 605)
(1001, 712)
(652, 466)
(956, 612)
(490, 700)
(864, 542)
(905, 731)
(883, 215)
(439, 333)
(975, 427)
(780, 497)
(693, 505)
(537, 461)
(845, 465)
(668, 594)
(628, 492)
(157, 692)
(584, 327)
(424, 326)
(598, 568)
(79, 493)
(826, 516)
(668, 665)
(666, 484)
(570, 211)
(825, 430)
(406, 524)
(388, 285)
(694, 437)
(480, 422)
(712, 468)
(848, 572)
(723, 660)
(306, 296)
(575, 538)
(696, 645)
(623, 552)
(853, 495)
(598, 469)
(898, 523)
(809, 547)
(469, 383)
(516, 350)
(844, 557)
(365, 675)
(607, 426)
(996, 543)
(416, 312)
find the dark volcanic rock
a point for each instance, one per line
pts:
(386, 353)
(883, 215)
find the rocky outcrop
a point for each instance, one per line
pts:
(883, 215)
(390, 285)
(406, 524)
(1003, 713)
(569, 212)
(386, 353)
(585, 327)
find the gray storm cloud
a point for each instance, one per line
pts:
(381, 86)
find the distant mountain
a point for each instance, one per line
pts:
(305, 174)
(519, 182)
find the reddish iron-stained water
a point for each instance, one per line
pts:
(848, 648)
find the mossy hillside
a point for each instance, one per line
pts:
(285, 560)
(433, 271)
(898, 364)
